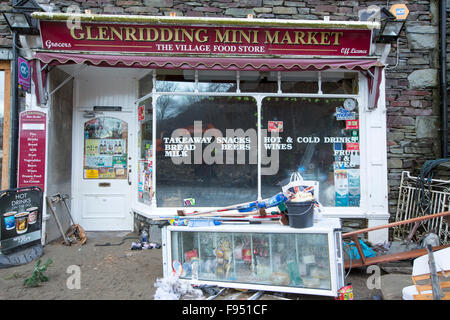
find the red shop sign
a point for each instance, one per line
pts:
(32, 141)
(205, 39)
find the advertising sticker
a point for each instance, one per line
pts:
(352, 124)
(275, 126)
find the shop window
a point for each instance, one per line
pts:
(206, 150)
(254, 81)
(299, 82)
(318, 137)
(173, 81)
(105, 148)
(339, 82)
(145, 161)
(217, 81)
(145, 84)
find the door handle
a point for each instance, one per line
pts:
(128, 177)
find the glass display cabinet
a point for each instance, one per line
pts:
(264, 256)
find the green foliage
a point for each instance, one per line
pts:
(38, 274)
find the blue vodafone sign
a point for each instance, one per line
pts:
(24, 74)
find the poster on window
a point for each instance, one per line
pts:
(275, 126)
(354, 189)
(341, 188)
(105, 148)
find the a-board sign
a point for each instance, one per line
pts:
(21, 218)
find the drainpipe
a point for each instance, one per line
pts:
(444, 79)
(14, 115)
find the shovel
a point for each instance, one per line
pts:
(76, 230)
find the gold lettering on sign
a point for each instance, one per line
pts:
(102, 33)
(286, 38)
(299, 35)
(149, 34)
(336, 37)
(117, 33)
(312, 38)
(201, 35)
(80, 35)
(272, 38)
(89, 34)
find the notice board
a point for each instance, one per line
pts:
(20, 218)
(32, 142)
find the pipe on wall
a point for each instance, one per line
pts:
(14, 115)
(443, 31)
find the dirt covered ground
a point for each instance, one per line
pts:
(119, 273)
(107, 272)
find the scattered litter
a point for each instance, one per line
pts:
(136, 246)
(172, 288)
(382, 248)
(145, 245)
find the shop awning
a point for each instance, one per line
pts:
(370, 67)
(203, 63)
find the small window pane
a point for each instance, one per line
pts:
(174, 81)
(299, 82)
(145, 85)
(258, 82)
(340, 82)
(217, 81)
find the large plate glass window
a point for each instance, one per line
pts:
(319, 137)
(206, 150)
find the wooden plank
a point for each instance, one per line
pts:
(394, 224)
(392, 257)
(358, 247)
(6, 67)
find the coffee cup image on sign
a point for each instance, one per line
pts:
(10, 220)
(32, 215)
(21, 222)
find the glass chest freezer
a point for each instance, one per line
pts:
(266, 256)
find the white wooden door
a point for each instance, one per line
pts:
(102, 154)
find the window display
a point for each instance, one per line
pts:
(145, 162)
(205, 150)
(318, 137)
(105, 148)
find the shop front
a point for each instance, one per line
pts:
(159, 114)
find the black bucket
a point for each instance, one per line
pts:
(301, 214)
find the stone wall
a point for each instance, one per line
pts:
(412, 82)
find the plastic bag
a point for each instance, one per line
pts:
(352, 251)
(172, 288)
(301, 188)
